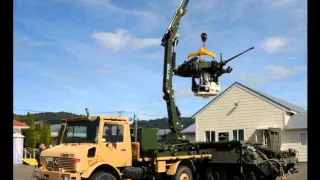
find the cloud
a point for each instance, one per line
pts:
(281, 3)
(274, 44)
(122, 39)
(183, 92)
(207, 4)
(155, 55)
(147, 18)
(26, 41)
(273, 70)
(272, 73)
(106, 70)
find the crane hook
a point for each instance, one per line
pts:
(204, 38)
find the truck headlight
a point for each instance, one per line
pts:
(46, 160)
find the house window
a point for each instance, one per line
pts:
(235, 134)
(213, 136)
(238, 134)
(223, 136)
(304, 139)
(210, 136)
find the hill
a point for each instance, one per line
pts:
(162, 123)
(55, 117)
(50, 117)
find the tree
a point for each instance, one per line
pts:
(38, 133)
(16, 117)
(49, 134)
(30, 139)
(46, 134)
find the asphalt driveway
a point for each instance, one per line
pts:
(25, 172)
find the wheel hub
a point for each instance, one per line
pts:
(184, 176)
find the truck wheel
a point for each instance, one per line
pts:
(183, 173)
(102, 176)
(251, 176)
(212, 174)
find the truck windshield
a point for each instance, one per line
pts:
(81, 132)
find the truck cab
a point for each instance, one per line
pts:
(86, 144)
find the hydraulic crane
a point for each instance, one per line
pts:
(95, 155)
(195, 67)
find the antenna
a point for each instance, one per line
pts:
(120, 113)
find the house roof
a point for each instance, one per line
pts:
(190, 129)
(298, 121)
(19, 124)
(282, 103)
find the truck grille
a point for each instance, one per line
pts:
(61, 162)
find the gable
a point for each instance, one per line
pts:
(298, 121)
(268, 98)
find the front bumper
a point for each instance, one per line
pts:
(55, 175)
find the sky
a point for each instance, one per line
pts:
(105, 55)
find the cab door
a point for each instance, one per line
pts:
(114, 146)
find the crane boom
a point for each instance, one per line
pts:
(208, 72)
(169, 42)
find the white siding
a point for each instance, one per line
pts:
(250, 113)
(287, 117)
(292, 139)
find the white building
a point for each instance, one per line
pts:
(18, 139)
(243, 113)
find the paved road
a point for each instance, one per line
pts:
(24, 172)
(301, 175)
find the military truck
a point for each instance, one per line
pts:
(101, 147)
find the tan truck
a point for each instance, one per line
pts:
(100, 147)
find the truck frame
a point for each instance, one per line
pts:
(101, 147)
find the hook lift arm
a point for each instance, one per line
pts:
(170, 41)
(208, 72)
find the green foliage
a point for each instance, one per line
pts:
(50, 117)
(16, 117)
(38, 133)
(30, 134)
(45, 136)
(162, 123)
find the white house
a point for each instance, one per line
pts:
(242, 113)
(18, 141)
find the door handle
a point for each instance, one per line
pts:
(123, 149)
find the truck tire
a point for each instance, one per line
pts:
(102, 176)
(214, 174)
(183, 173)
(134, 173)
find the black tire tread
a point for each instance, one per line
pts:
(102, 176)
(223, 175)
(133, 173)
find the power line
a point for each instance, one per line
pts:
(105, 112)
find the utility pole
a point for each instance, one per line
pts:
(135, 120)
